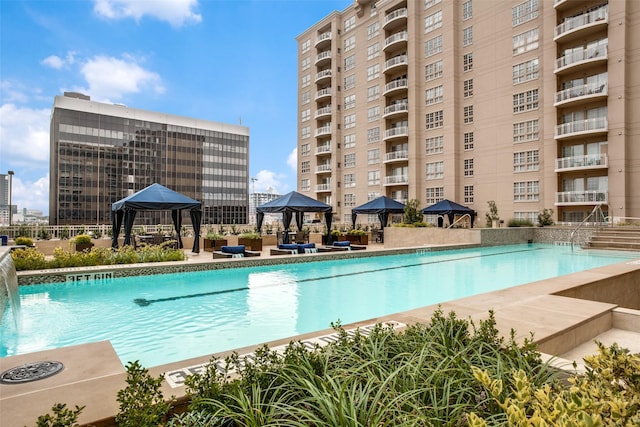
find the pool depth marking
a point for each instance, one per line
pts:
(143, 302)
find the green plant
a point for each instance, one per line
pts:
(64, 234)
(82, 239)
(250, 235)
(62, 416)
(545, 217)
(214, 236)
(28, 259)
(411, 213)
(519, 222)
(44, 234)
(24, 231)
(141, 402)
(26, 241)
(356, 232)
(492, 215)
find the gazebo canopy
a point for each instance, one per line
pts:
(449, 208)
(382, 206)
(291, 203)
(155, 197)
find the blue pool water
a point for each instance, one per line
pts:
(166, 318)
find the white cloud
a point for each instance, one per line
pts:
(53, 61)
(24, 133)
(111, 78)
(268, 181)
(292, 160)
(31, 194)
(175, 12)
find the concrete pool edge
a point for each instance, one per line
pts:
(552, 309)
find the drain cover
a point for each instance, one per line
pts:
(30, 372)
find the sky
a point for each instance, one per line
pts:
(232, 61)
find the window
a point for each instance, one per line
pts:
(349, 180)
(306, 97)
(468, 167)
(525, 101)
(349, 160)
(373, 72)
(467, 62)
(467, 10)
(349, 43)
(434, 195)
(525, 71)
(373, 93)
(349, 200)
(349, 62)
(528, 216)
(350, 82)
(305, 150)
(525, 131)
(429, 3)
(467, 36)
(350, 140)
(305, 185)
(349, 101)
(435, 120)
(524, 191)
(433, 95)
(524, 12)
(306, 46)
(349, 121)
(373, 30)
(305, 167)
(435, 170)
(373, 51)
(435, 145)
(349, 24)
(525, 161)
(373, 135)
(305, 115)
(373, 156)
(306, 63)
(468, 141)
(373, 113)
(306, 80)
(433, 46)
(468, 88)
(305, 132)
(468, 114)
(433, 22)
(525, 42)
(433, 71)
(468, 194)
(373, 178)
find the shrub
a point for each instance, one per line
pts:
(492, 215)
(82, 239)
(545, 217)
(62, 416)
(214, 236)
(519, 222)
(27, 241)
(411, 213)
(355, 232)
(250, 235)
(43, 234)
(141, 402)
(28, 259)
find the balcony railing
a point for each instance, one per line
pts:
(588, 161)
(323, 130)
(396, 108)
(396, 14)
(576, 22)
(397, 131)
(323, 92)
(395, 156)
(578, 127)
(396, 84)
(323, 37)
(582, 197)
(323, 74)
(584, 91)
(397, 37)
(584, 55)
(395, 61)
(324, 148)
(323, 168)
(323, 187)
(323, 111)
(396, 180)
(323, 55)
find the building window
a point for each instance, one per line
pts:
(468, 141)
(306, 46)
(468, 88)
(306, 80)
(373, 93)
(349, 24)
(349, 121)
(524, 12)
(433, 71)
(306, 97)
(435, 145)
(373, 72)
(468, 194)
(350, 180)
(349, 201)
(349, 62)
(468, 114)
(468, 167)
(525, 42)
(373, 51)
(305, 150)
(349, 43)
(349, 101)
(305, 167)
(525, 71)
(350, 82)
(531, 216)
(467, 36)
(430, 3)
(526, 161)
(305, 184)
(350, 140)
(305, 115)
(433, 22)
(467, 62)
(373, 113)
(525, 131)
(373, 156)
(306, 63)
(526, 191)
(305, 132)
(467, 10)
(373, 178)
(525, 101)
(349, 160)
(373, 135)
(435, 170)
(434, 195)
(433, 46)
(373, 30)
(433, 95)
(435, 120)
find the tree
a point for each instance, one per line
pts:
(492, 215)
(411, 213)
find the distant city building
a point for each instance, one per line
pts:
(5, 181)
(102, 152)
(257, 199)
(532, 104)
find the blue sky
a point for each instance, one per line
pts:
(229, 61)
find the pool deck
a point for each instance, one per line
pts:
(562, 325)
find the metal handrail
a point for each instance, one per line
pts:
(596, 209)
(460, 219)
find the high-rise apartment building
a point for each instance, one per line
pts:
(102, 152)
(533, 104)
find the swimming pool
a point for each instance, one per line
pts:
(165, 318)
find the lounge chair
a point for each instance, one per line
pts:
(234, 252)
(344, 245)
(285, 249)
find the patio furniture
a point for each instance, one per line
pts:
(285, 249)
(238, 251)
(343, 245)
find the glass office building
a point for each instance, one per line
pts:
(102, 152)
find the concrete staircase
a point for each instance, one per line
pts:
(615, 238)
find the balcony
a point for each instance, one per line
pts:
(396, 62)
(581, 59)
(324, 111)
(323, 39)
(394, 109)
(396, 156)
(323, 93)
(396, 18)
(397, 132)
(582, 127)
(323, 57)
(323, 149)
(569, 198)
(576, 26)
(398, 39)
(396, 180)
(323, 75)
(324, 130)
(581, 93)
(323, 188)
(399, 84)
(325, 168)
(588, 161)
